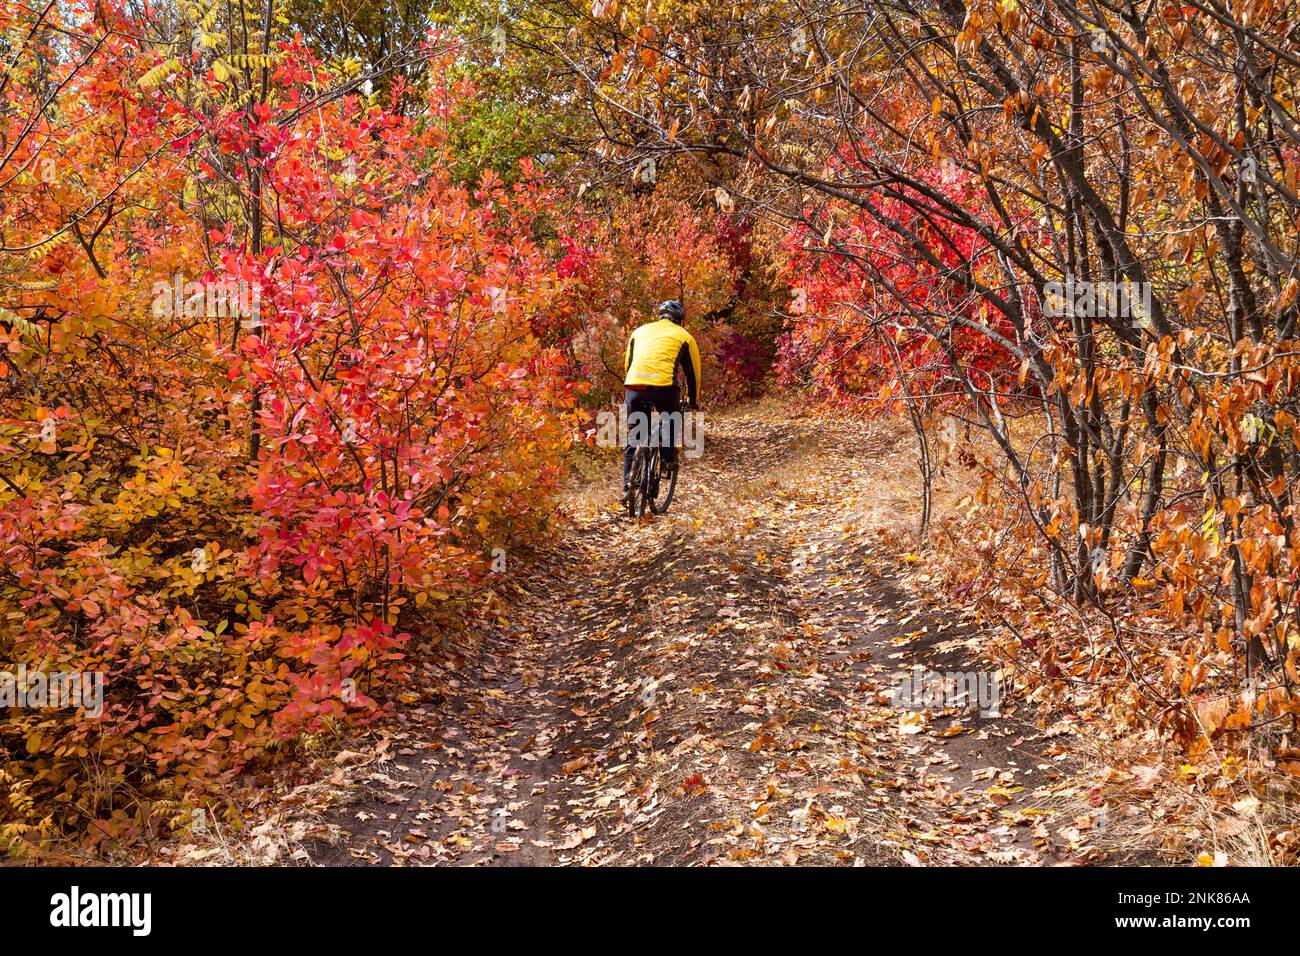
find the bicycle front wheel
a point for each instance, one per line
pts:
(664, 485)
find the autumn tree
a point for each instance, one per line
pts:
(272, 394)
(1146, 152)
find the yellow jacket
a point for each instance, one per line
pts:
(655, 350)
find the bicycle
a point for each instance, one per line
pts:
(649, 477)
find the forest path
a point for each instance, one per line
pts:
(714, 686)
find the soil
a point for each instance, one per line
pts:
(716, 686)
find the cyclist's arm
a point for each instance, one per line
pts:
(688, 357)
(627, 354)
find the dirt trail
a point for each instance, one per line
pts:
(712, 686)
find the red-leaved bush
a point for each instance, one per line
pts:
(273, 398)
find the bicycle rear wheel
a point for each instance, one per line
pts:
(637, 485)
(646, 479)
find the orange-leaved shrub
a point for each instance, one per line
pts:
(270, 392)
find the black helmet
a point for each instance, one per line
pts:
(672, 309)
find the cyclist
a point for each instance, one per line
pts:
(655, 351)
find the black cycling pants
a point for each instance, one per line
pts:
(638, 403)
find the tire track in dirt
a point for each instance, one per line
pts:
(708, 687)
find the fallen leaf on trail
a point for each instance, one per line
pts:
(912, 722)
